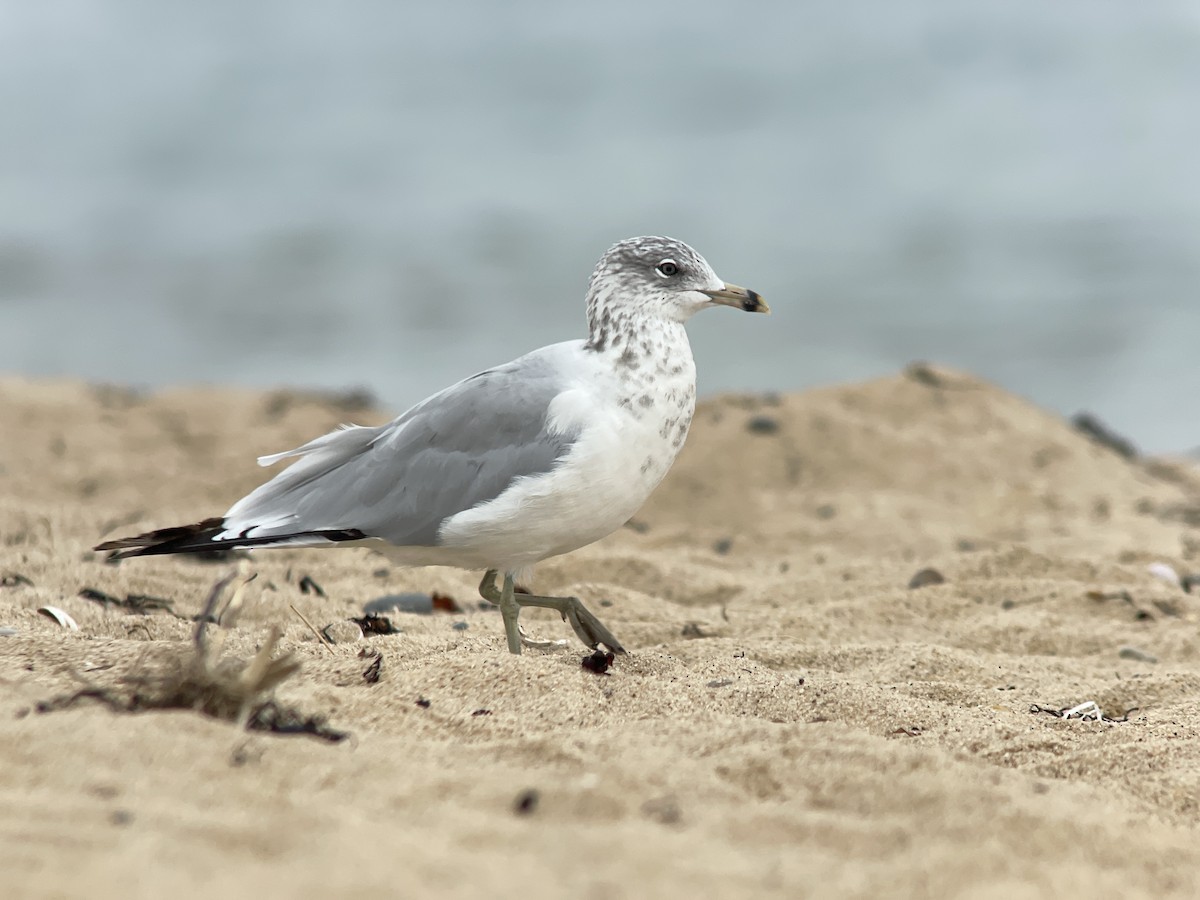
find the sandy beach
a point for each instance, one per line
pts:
(793, 719)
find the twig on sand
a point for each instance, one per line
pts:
(320, 637)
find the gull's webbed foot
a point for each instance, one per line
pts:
(589, 629)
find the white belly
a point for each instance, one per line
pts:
(623, 451)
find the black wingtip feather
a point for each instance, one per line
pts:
(180, 539)
(198, 538)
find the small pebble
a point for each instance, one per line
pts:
(1091, 426)
(762, 425)
(1165, 572)
(664, 810)
(723, 546)
(826, 511)
(923, 373)
(926, 577)
(1129, 652)
(409, 603)
(526, 802)
(446, 603)
(460, 626)
(342, 633)
(8, 631)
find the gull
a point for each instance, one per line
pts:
(519, 463)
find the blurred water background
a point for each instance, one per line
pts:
(395, 195)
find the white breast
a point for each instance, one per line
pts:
(631, 425)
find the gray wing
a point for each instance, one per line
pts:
(399, 482)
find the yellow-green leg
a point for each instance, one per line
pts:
(509, 610)
(589, 629)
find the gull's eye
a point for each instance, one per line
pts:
(667, 268)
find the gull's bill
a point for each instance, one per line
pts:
(737, 296)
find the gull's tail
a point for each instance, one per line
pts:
(211, 534)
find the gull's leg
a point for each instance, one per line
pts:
(587, 626)
(509, 608)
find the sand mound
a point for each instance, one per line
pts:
(793, 720)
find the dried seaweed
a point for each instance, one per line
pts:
(200, 679)
(135, 603)
(308, 585)
(599, 662)
(373, 623)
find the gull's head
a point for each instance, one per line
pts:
(662, 278)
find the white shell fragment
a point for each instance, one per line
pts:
(342, 633)
(1165, 572)
(61, 616)
(1087, 711)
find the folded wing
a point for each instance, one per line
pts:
(398, 482)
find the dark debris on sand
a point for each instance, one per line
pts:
(374, 623)
(599, 662)
(372, 673)
(134, 603)
(200, 679)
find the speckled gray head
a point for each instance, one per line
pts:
(660, 277)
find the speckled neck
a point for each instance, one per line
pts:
(650, 356)
(606, 318)
(617, 304)
(652, 360)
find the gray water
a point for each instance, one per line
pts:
(396, 195)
